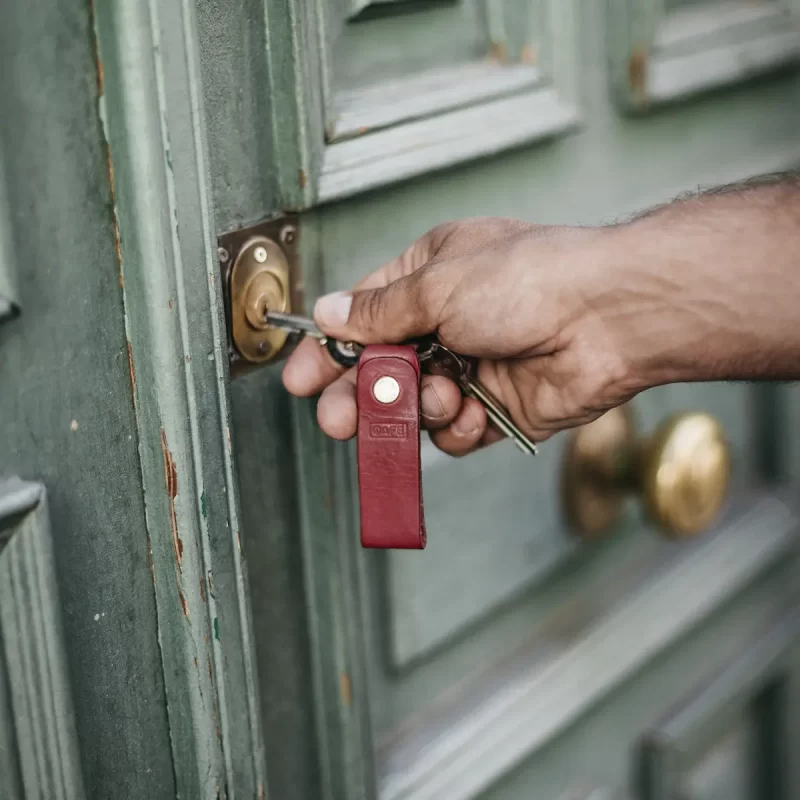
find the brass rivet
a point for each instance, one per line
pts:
(386, 389)
(260, 254)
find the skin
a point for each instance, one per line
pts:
(569, 322)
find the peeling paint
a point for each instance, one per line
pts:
(498, 52)
(132, 371)
(150, 565)
(171, 479)
(529, 55)
(216, 628)
(210, 583)
(345, 688)
(203, 507)
(239, 540)
(114, 218)
(184, 605)
(261, 794)
(637, 73)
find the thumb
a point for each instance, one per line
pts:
(401, 310)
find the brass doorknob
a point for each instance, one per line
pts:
(681, 472)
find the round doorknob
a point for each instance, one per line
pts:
(681, 472)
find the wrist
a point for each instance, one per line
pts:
(664, 312)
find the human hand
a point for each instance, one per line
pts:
(535, 304)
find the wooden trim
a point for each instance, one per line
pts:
(437, 92)
(524, 712)
(35, 692)
(674, 741)
(419, 147)
(154, 124)
(659, 57)
(426, 124)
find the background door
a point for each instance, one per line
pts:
(511, 658)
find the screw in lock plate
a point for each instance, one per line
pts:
(260, 254)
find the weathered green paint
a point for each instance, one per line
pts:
(337, 673)
(613, 166)
(66, 413)
(38, 721)
(153, 120)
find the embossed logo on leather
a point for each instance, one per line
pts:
(388, 430)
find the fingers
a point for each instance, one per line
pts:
(309, 369)
(337, 413)
(466, 432)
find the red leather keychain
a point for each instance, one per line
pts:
(389, 470)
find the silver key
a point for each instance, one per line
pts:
(295, 323)
(344, 353)
(440, 360)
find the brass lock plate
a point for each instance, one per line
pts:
(259, 271)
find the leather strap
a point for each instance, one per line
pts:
(389, 471)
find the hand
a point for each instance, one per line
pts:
(533, 303)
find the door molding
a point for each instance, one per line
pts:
(333, 144)
(151, 106)
(658, 56)
(38, 740)
(544, 695)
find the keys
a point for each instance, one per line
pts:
(435, 359)
(344, 353)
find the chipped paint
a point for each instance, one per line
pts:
(150, 564)
(345, 688)
(202, 589)
(171, 479)
(216, 628)
(184, 604)
(132, 371)
(114, 217)
(302, 179)
(498, 52)
(261, 794)
(210, 583)
(169, 304)
(529, 55)
(239, 540)
(210, 670)
(203, 508)
(637, 74)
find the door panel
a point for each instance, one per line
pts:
(38, 739)
(473, 78)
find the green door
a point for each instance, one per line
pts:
(221, 631)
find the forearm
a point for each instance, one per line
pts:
(708, 287)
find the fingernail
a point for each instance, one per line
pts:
(432, 407)
(333, 310)
(465, 424)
